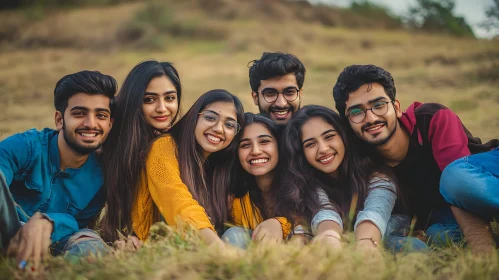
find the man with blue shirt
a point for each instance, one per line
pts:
(51, 180)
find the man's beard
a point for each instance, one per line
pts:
(275, 108)
(82, 150)
(379, 142)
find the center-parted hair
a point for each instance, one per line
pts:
(89, 82)
(208, 180)
(125, 150)
(298, 190)
(355, 76)
(273, 65)
(243, 181)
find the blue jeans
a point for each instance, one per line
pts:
(472, 184)
(238, 237)
(85, 242)
(442, 232)
(82, 243)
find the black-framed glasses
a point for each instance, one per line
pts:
(358, 115)
(211, 118)
(270, 94)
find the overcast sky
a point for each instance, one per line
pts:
(472, 10)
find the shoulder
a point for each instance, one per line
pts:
(164, 143)
(31, 137)
(434, 111)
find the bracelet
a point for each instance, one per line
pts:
(375, 243)
(333, 236)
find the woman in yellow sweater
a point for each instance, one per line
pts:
(147, 106)
(255, 176)
(187, 172)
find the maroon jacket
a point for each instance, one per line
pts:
(445, 132)
(437, 137)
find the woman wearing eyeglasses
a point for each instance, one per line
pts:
(187, 171)
(322, 155)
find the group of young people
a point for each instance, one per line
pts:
(399, 179)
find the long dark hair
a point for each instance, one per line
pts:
(208, 180)
(298, 191)
(126, 147)
(245, 182)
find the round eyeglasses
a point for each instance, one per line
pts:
(211, 118)
(358, 115)
(271, 94)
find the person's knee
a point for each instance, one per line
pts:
(454, 181)
(86, 242)
(237, 236)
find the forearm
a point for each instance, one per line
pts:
(210, 237)
(329, 225)
(367, 230)
(477, 231)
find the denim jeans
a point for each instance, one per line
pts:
(85, 242)
(9, 221)
(82, 243)
(472, 183)
(442, 231)
(238, 237)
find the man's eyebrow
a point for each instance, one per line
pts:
(82, 108)
(368, 102)
(376, 99)
(322, 134)
(102, 110)
(286, 88)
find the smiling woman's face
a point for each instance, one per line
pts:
(258, 152)
(322, 145)
(160, 103)
(216, 127)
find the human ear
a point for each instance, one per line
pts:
(255, 97)
(396, 106)
(59, 120)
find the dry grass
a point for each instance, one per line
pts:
(34, 53)
(172, 255)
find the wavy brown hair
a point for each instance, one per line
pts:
(297, 197)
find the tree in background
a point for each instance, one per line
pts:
(492, 14)
(438, 16)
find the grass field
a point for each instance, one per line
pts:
(211, 43)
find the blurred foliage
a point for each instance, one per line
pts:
(377, 11)
(12, 4)
(156, 22)
(437, 16)
(492, 14)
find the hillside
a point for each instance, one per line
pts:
(212, 41)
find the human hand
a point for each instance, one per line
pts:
(268, 231)
(32, 241)
(129, 244)
(330, 238)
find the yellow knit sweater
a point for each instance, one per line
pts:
(160, 184)
(245, 216)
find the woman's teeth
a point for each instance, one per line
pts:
(213, 138)
(260, 160)
(326, 159)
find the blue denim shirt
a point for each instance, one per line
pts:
(70, 199)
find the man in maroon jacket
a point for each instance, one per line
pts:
(417, 144)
